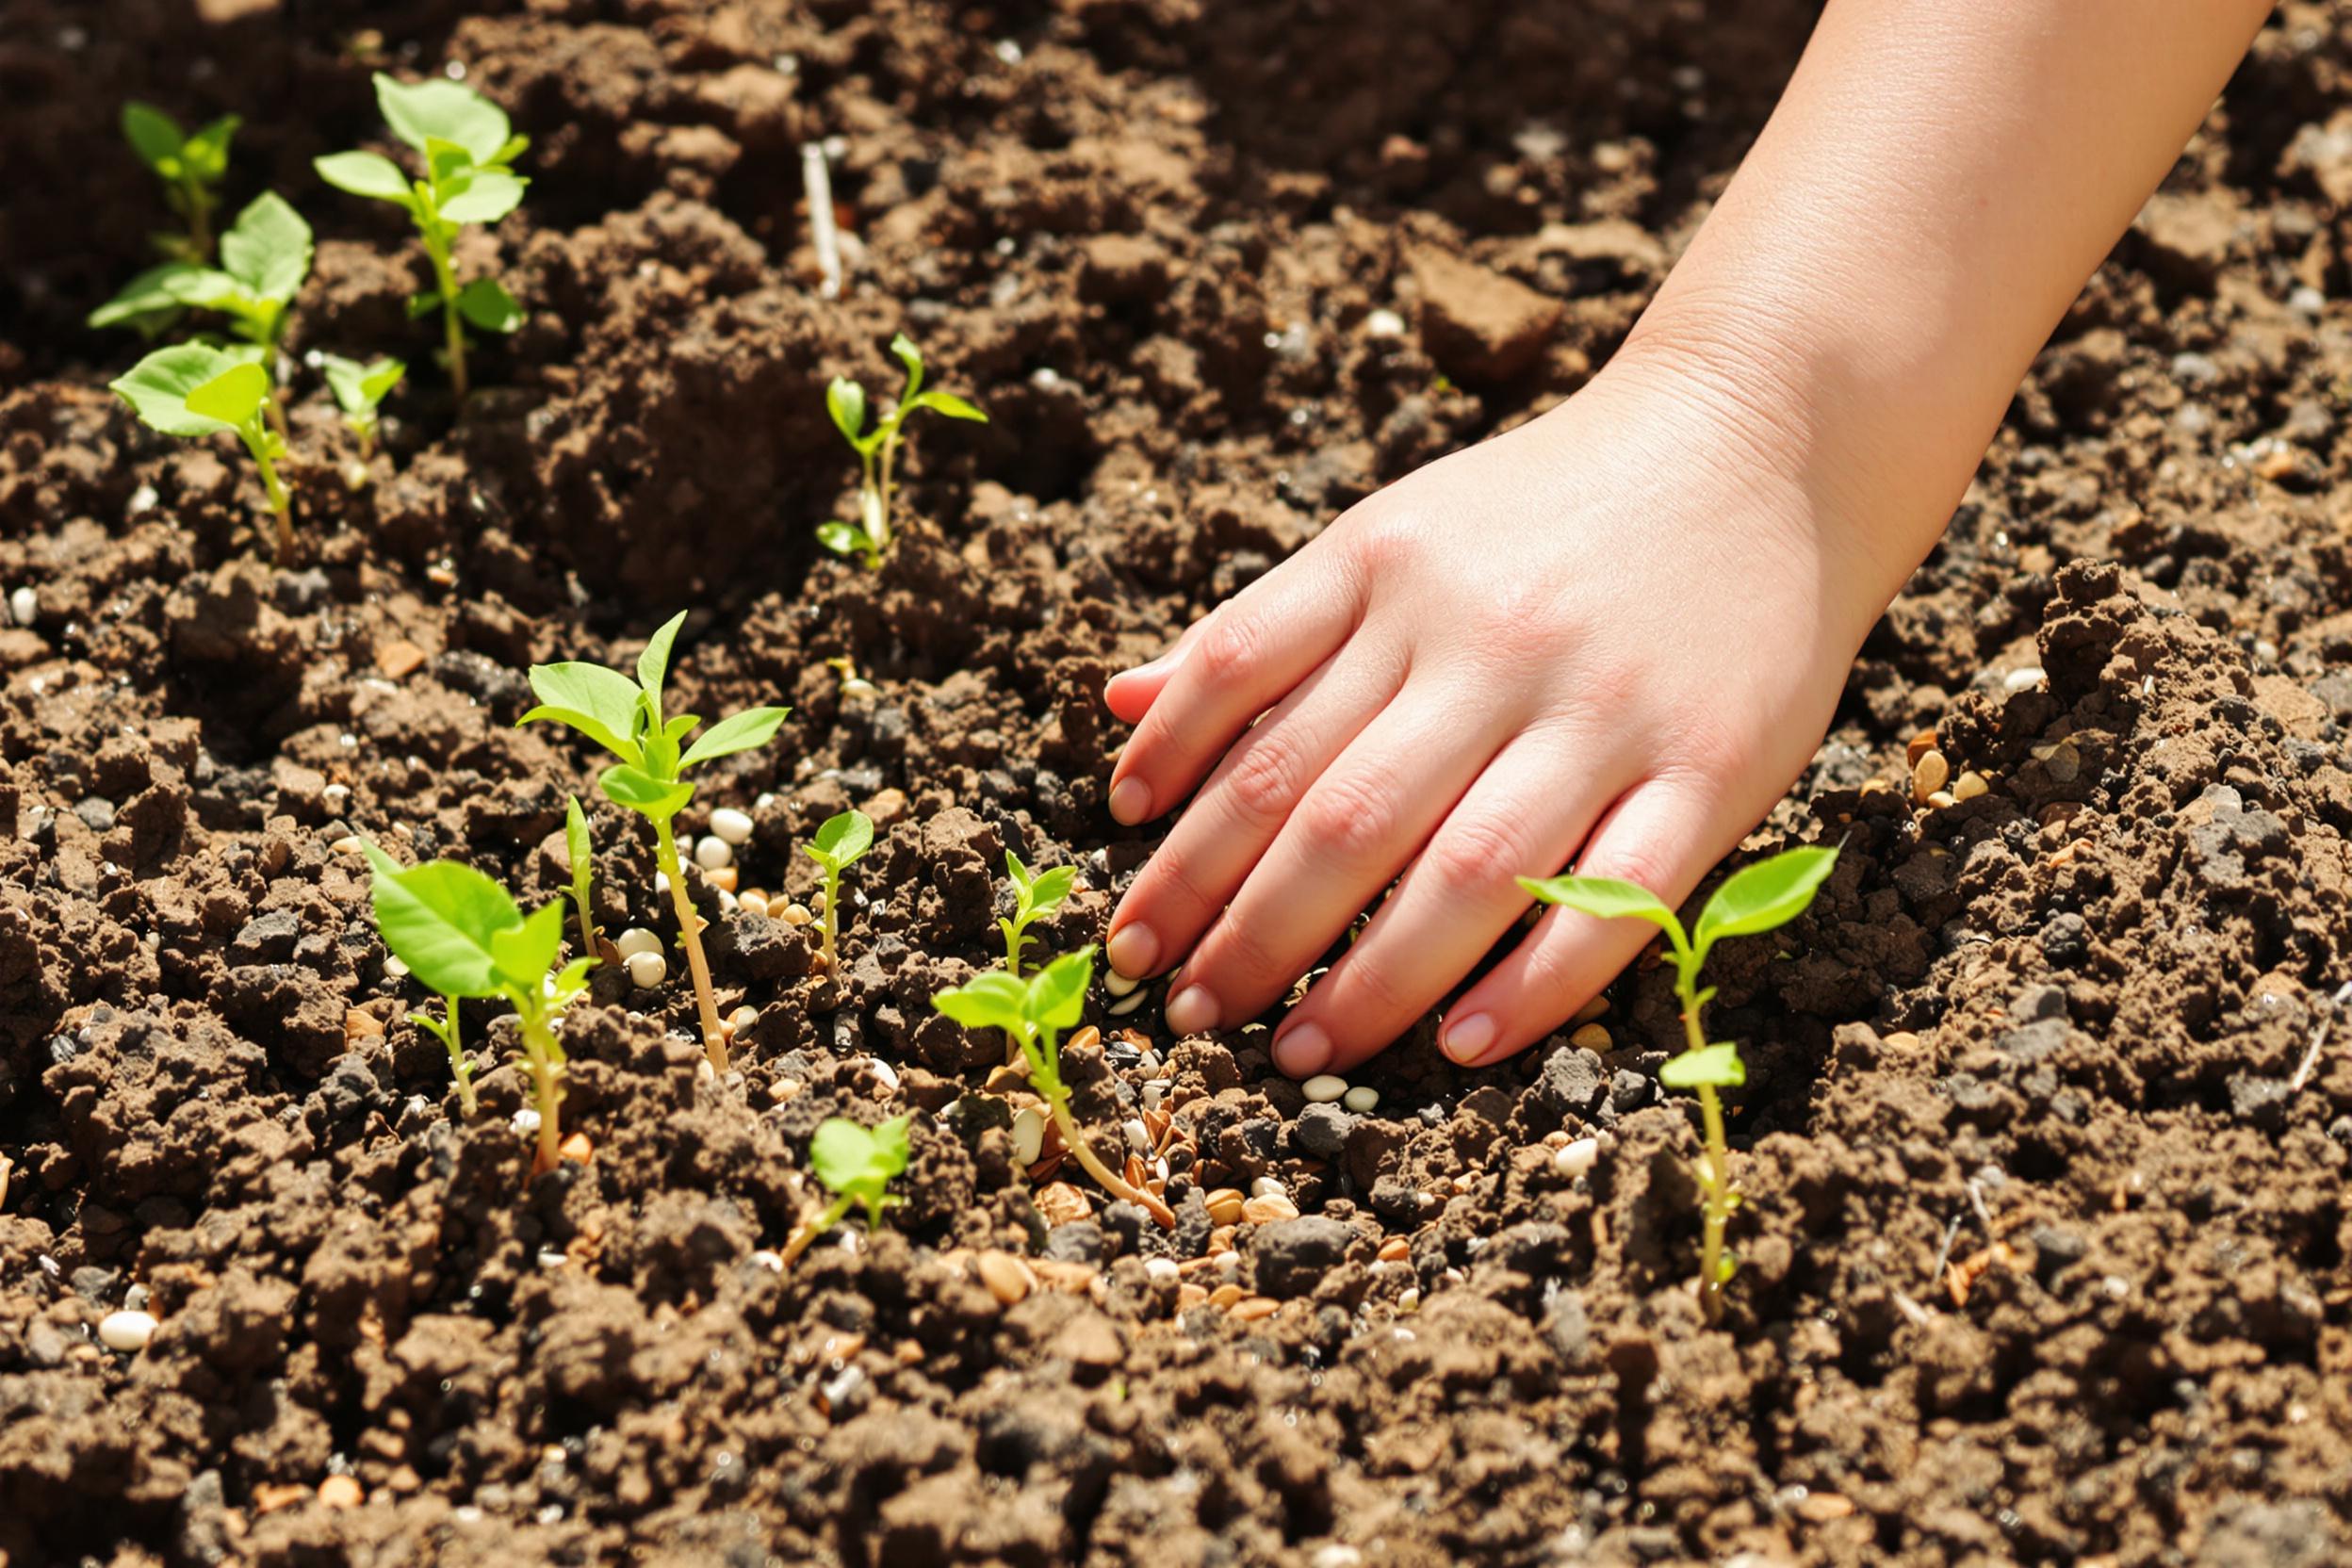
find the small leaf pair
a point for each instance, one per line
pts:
(1035, 897)
(191, 166)
(195, 390)
(264, 260)
(870, 538)
(359, 391)
(841, 840)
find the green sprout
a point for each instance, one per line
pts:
(466, 147)
(870, 538)
(264, 260)
(841, 840)
(359, 391)
(1034, 1012)
(624, 717)
(582, 851)
(858, 1164)
(195, 390)
(190, 168)
(1034, 898)
(1758, 898)
(461, 935)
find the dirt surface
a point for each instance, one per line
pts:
(2045, 1243)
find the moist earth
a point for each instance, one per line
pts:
(2044, 1139)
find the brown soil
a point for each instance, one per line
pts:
(2051, 1033)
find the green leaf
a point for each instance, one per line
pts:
(370, 174)
(1608, 898)
(1767, 894)
(1057, 993)
(513, 147)
(440, 919)
(207, 288)
(359, 388)
(859, 1162)
(424, 305)
(846, 401)
(488, 197)
(526, 952)
(1717, 1067)
(745, 731)
(991, 1000)
(486, 304)
(633, 787)
(267, 249)
(600, 703)
(843, 838)
(951, 405)
(843, 539)
(158, 385)
(1045, 894)
(205, 155)
(910, 356)
(577, 845)
(653, 664)
(153, 135)
(234, 397)
(436, 110)
(151, 293)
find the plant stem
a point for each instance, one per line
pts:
(1715, 1177)
(459, 1065)
(1110, 1181)
(199, 219)
(544, 1060)
(257, 437)
(587, 927)
(809, 1230)
(832, 917)
(446, 277)
(889, 450)
(690, 929)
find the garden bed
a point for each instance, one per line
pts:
(2043, 1247)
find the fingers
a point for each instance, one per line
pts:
(1256, 649)
(1524, 817)
(1353, 829)
(1237, 813)
(1661, 835)
(1131, 693)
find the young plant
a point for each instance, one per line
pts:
(858, 1164)
(871, 537)
(582, 851)
(624, 717)
(359, 392)
(1034, 1012)
(467, 148)
(1758, 898)
(190, 168)
(841, 840)
(194, 390)
(1034, 898)
(460, 934)
(264, 260)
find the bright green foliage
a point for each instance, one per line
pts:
(1755, 899)
(264, 260)
(1034, 898)
(841, 840)
(359, 391)
(195, 390)
(1034, 1011)
(190, 167)
(624, 717)
(462, 936)
(465, 150)
(858, 1164)
(877, 449)
(582, 851)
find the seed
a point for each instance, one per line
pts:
(1968, 786)
(742, 1018)
(1007, 1280)
(1225, 1207)
(724, 879)
(755, 901)
(1084, 1039)
(1226, 1260)
(1117, 984)
(1920, 744)
(713, 853)
(24, 605)
(1268, 1211)
(1028, 1137)
(578, 1150)
(647, 970)
(1409, 1301)
(1822, 1507)
(127, 1331)
(1576, 1158)
(730, 825)
(1597, 1008)
(354, 844)
(2025, 680)
(1361, 1099)
(1395, 1249)
(1941, 799)
(1138, 1135)
(1592, 1036)
(816, 905)
(1225, 1295)
(1126, 1005)
(1324, 1087)
(1256, 1307)
(1928, 775)
(1160, 1270)
(339, 1491)
(1189, 1297)
(797, 914)
(1269, 1187)
(634, 941)
(1059, 1203)
(397, 967)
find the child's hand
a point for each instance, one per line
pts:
(1611, 637)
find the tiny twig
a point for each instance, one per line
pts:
(1976, 1198)
(1943, 1254)
(2319, 1036)
(816, 178)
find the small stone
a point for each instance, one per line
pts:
(578, 1150)
(1593, 1037)
(1269, 1187)
(1028, 1136)
(636, 939)
(1224, 1206)
(1323, 1131)
(128, 1332)
(1161, 1270)
(1059, 1203)
(1004, 1276)
(1577, 1157)
(742, 1018)
(730, 826)
(339, 1491)
(1268, 1211)
(1362, 1099)
(527, 1122)
(2026, 679)
(713, 853)
(647, 970)
(1929, 775)
(1292, 1257)
(1968, 786)
(1820, 1507)
(24, 607)
(1323, 1088)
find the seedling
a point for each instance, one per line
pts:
(264, 260)
(624, 717)
(582, 851)
(1034, 1012)
(445, 1029)
(194, 390)
(359, 391)
(1034, 898)
(870, 538)
(460, 934)
(1758, 898)
(858, 1164)
(190, 168)
(841, 840)
(466, 147)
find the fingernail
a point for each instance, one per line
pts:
(1131, 801)
(1133, 950)
(1191, 1011)
(1465, 1039)
(1304, 1052)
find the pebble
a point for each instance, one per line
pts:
(1383, 323)
(1160, 1269)
(730, 826)
(339, 1491)
(127, 1331)
(636, 939)
(713, 853)
(527, 1122)
(1138, 1135)
(24, 607)
(1929, 774)
(1003, 1276)
(883, 1073)
(647, 970)
(756, 903)
(1324, 1087)
(1269, 1187)
(2025, 680)
(744, 1017)
(1968, 786)
(1577, 1157)
(1362, 1098)
(396, 967)
(771, 1261)
(1409, 1301)
(1592, 1037)
(1028, 1136)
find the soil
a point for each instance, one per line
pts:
(2044, 1241)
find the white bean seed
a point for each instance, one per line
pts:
(1028, 1136)
(713, 853)
(730, 825)
(127, 1331)
(636, 939)
(647, 970)
(1324, 1087)
(1576, 1158)
(1361, 1099)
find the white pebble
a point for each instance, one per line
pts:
(1138, 1137)
(730, 825)
(1576, 1158)
(767, 798)
(127, 1331)
(1269, 1187)
(396, 967)
(527, 1122)
(883, 1073)
(1361, 1099)
(1409, 1301)
(1383, 323)
(771, 1262)
(636, 939)
(647, 970)
(2025, 680)
(1227, 1261)
(744, 1017)
(1324, 1087)
(1117, 984)
(713, 854)
(1160, 1268)
(24, 607)
(2267, 650)
(661, 884)
(1028, 1136)
(143, 500)
(551, 1258)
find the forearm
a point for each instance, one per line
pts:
(1933, 188)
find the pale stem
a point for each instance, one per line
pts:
(809, 1230)
(459, 1064)
(544, 1059)
(1110, 1181)
(690, 929)
(446, 277)
(1715, 1180)
(281, 504)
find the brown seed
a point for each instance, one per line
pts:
(1970, 785)
(1590, 1010)
(1061, 1205)
(1395, 1249)
(797, 914)
(1268, 1211)
(1255, 1307)
(399, 660)
(1189, 1297)
(270, 1497)
(339, 1491)
(1135, 1172)
(1592, 1037)
(1821, 1507)
(723, 878)
(1225, 1207)
(359, 1025)
(1004, 1276)
(1084, 1039)
(578, 1150)
(1941, 799)
(1921, 744)
(1225, 1295)
(1928, 775)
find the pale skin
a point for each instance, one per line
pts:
(1613, 636)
